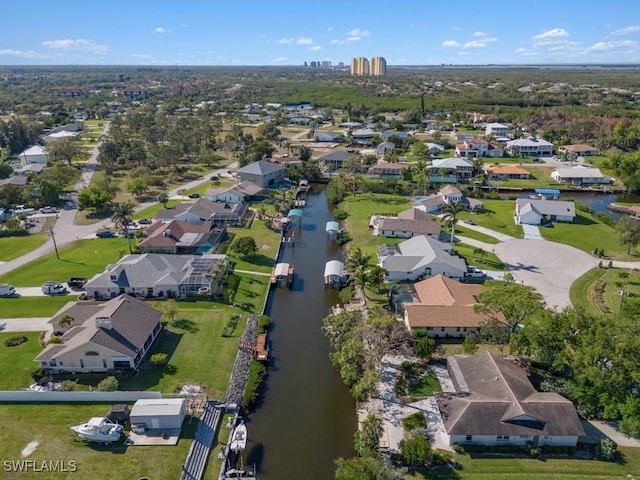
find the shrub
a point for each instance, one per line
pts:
(67, 386)
(415, 450)
(263, 324)
(340, 214)
(401, 385)
(15, 340)
(109, 384)
(38, 374)
(158, 359)
(441, 457)
(257, 371)
(602, 217)
(607, 450)
(583, 207)
(414, 421)
(55, 340)
(533, 452)
(344, 238)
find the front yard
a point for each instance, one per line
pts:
(497, 215)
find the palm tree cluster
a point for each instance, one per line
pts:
(364, 275)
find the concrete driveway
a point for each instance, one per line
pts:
(35, 324)
(531, 232)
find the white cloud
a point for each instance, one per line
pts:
(521, 50)
(626, 30)
(24, 53)
(160, 30)
(304, 41)
(474, 44)
(280, 59)
(356, 32)
(315, 48)
(79, 45)
(140, 55)
(457, 29)
(451, 43)
(479, 34)
(556, 33)
(297, 41)
(604, 46)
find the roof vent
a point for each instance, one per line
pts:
(167, 232)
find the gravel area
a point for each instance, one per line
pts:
(243, 359)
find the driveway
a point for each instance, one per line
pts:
(35, 324)
(37, 292)
(531, 232)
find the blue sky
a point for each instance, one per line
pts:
(290, 32)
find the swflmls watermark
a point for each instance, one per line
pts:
(62, 466)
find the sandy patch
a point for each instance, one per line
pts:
(30, 448)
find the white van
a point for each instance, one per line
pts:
(6, 290)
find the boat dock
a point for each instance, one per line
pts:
(282, 275)
(259, 350)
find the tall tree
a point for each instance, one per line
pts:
(122, 214)
(628, 232)
(450, 211)
(515, 302)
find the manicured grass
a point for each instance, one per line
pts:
(83, 258)
(151, 211)
(490, 260)
(474, 467)
(14, 247)
(497, 215)
(248, 291)
(474, 234)
(267, 241)
(598, 290)
(28, 307)
(587, 234)
(581, 290)
(20, 358)
(49, 425)
(425, 386)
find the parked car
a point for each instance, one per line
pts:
(469, 222)
(145, 221)
(105, 234)
(473, 272)
(7, 290)
(77, 282)
(48, 210)
(194, 195)
(52, 287)
(214, 177)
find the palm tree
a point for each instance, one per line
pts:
(122, 218)
(358, 260)
(65, 321)
(451, 210)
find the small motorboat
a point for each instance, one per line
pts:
(99, 429)
(239, 438)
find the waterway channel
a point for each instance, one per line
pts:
(306, 416)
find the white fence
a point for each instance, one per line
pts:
(78, 397)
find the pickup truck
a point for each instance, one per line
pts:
(77, 282)
(53, 288)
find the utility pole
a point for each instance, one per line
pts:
(55, 246)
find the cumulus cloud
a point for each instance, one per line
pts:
(336, 42)
(605, 46)
(315, 48)
(479, 34)
(457, 29)
(556, 33)
(140, 55)
(160, 30)
(474, 44)
(24, 53)
(280, 59)
(296, 41)
(78, 45)
(451, 43)
(354, 35)
(626, 30)
(356, 32)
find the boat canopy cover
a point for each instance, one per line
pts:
(334, 267)
(332, 227)
(295, 212)
(547, 191)
(282, 269)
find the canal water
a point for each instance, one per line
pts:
(306, 416)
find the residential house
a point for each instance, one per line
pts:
(473, 148)
(494, 403)
(504, 172)
(363, 134)
(581, 175)
(52, 137)
(105, 336)
(262, 173)
(180, 237)
(385, 147)
(450, 170)
(35, 154)
(442, 307)
(16, 180)
(447, 194)
(242, 192)
(73, 92)
(331, 137)
(536, 212)
(387, 170)
(136, 93)
(434, 148)
(30, 168)
(420, 257)
(495, 130)
(334, 160)
(408, 224)
(532, 147)
(219, 213)
(159, 275)
(581, 149)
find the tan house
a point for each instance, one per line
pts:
(387, 170)
(443, 307)
(407, 224)
(180, 237)
(581, 149)
(503, 172)
(114, 335)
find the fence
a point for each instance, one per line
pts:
(78, 397)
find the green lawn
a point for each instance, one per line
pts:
(27, 307)
(598, 290)
(83, 258)
(267, 241)
(497, 215)
(425, 386)
(20, 358)
(587, 234)
(490, 468)
(151, 211)
(474, 234)
(14, 247)
(48, 424)
(490, 261)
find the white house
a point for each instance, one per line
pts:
(242, 192)
(580, 175)
(385, 147)
(53, 137)
(420, 257)
(494, 403)
(495, 130)
(154, 414)
(35, 154)
(532, 147)
(535, 212)
(434, 148)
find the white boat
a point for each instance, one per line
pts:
(239, 438)
(99, 429)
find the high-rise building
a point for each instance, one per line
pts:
(360, 66)
(378, 66)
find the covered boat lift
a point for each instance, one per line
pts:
(334, 276)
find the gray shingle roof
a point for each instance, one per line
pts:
(548, 207)
(260, 167)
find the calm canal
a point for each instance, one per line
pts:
(306, 416)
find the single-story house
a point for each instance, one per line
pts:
(387, 170)
(202, 210)
(154, 414)
(53, 137)
(434, 148)
(180, 237)
(407, 224)
(334, 160)
(450, 170)
(159, 275)
(581, 149)
(363, 134)
(581, 175)
(532, 147)
(16, 180)
(242, 192)
(112, 335)
(502, 172)
(35, 154)
(262, 173)
(385, 147)
(494, 403)
(536, 212)
(420, 257)
(331, 137)
(33, 168)
(443, 308)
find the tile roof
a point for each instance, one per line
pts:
(506, 170)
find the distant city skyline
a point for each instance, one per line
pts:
(290, 32)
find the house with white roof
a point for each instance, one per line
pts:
(581, 175)
(536, 212)
(35, 154)
(495, 130)
(52, 137)
(242, 192)
(420, 257)
(531, 146)
(450, 170)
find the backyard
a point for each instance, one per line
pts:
(598, 290)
